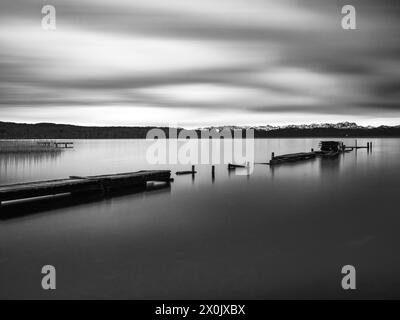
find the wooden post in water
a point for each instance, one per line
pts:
(272, 155)
(367, 146)
(370, 145)
(356, 144)
(312, 149)
(193, 168)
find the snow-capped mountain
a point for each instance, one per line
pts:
(341, 125)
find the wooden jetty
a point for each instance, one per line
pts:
(331, 146)
(44, 143)
(56, 144)
(65, 145)
(234, 166)
(179, 173)
(102, 183)
(356, 146)
(328, 149)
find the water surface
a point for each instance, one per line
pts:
(282, 232)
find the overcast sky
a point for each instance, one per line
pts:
(200, 62)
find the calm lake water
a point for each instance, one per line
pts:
(282, 232)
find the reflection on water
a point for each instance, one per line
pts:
(281, 232)
(19, 164)
(18, 209)
(330, 165)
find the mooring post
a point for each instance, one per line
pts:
(367, 146)
(272, 155)
(193, 168)
(312, 149)
(356, 143)
(213, 169)
(370, 145)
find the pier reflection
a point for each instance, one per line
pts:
(330, 165)
(13, 163)
(24, 208)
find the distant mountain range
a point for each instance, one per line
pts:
(10, 130)
(340, 125)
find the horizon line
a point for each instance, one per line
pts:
(203, 127)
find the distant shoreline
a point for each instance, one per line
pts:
(10, 130)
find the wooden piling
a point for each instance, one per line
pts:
(272, 155)
(193, 168)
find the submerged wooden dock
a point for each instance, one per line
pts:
(232, 166)
(328, 149)
(82, 184)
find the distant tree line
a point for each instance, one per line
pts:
(9, 130)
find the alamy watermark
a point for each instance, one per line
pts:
(349, 280)
(349, 18)
(49, 280)
(180, 146)
(49, 18)
(348, 21)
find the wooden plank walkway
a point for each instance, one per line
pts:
(232, 166)
(62, 144)
(101, 183)
(180, 173)
(329, 149)
(56, 144)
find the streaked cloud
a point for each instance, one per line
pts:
(199, 62)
